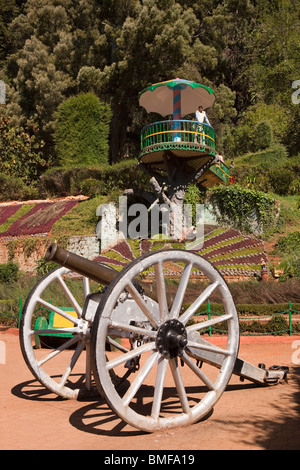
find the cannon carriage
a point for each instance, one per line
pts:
(145, 349)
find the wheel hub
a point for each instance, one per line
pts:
(171, 339)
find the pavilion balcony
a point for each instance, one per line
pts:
(189, 135)
(191, 141)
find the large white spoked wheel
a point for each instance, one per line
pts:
(53, 314)
(180, 373)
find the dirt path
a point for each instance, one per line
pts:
(246, 417)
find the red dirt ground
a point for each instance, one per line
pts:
(246, 417)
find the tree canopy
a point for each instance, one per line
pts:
(248, 51)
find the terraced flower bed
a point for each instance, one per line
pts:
(233, 253)
(32, 219)
(6, 212)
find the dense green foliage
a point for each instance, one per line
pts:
(57, 53)
(269, 170)
(81, 131)
(194, 196)
(21, 155)
(243, 207)
(289, 248)
(94, 180)
(246, 50)
(13, 188)
(9, 272)
(289, 244)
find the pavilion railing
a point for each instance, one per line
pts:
(189, 132)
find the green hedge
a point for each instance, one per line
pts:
(93, 180)
(81, 131)
(274, 156)
(13, 188)
(255, 310)
(255, 319)
(240, 207)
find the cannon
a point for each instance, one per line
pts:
(137, 336)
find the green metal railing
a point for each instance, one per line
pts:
(275, 328)
(191, 133)
(13, 319)
(286, 327)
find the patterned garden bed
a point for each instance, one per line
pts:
(233, 253)
(32, 218)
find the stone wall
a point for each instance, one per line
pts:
(26, 251)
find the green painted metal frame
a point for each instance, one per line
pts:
(47, 323)
(161, 135)
(221, 171)
(194, 136)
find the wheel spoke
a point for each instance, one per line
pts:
(206, 347)
(130, 355)
(117, 345)
(54, 331)
(88, 367)
(86, 286)
(188, 361)
(142, 304)
(205, 324)
(70, 296)
(185, 317)
(161, 291)
(159, 387)
(177, 303)
(136, 384)
(63, 313)
(133, 329)
(72, 363)
(58, 350)
(179, 385)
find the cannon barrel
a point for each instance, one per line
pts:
(93, 270)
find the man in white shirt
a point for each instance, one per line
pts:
(201, 115)
(201, 118)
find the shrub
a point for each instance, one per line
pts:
(20, 152)
(251, 138)
(281, 180)
(9, 272)
(13, 188)
(81, 131)
(274, 156)
(277, 325)
(92, 187)
(193, 196)
(243, 208)
(252, 327)
(66, 181)
(263, 136)
(288, 244)
(291, 266)
(44, 267)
